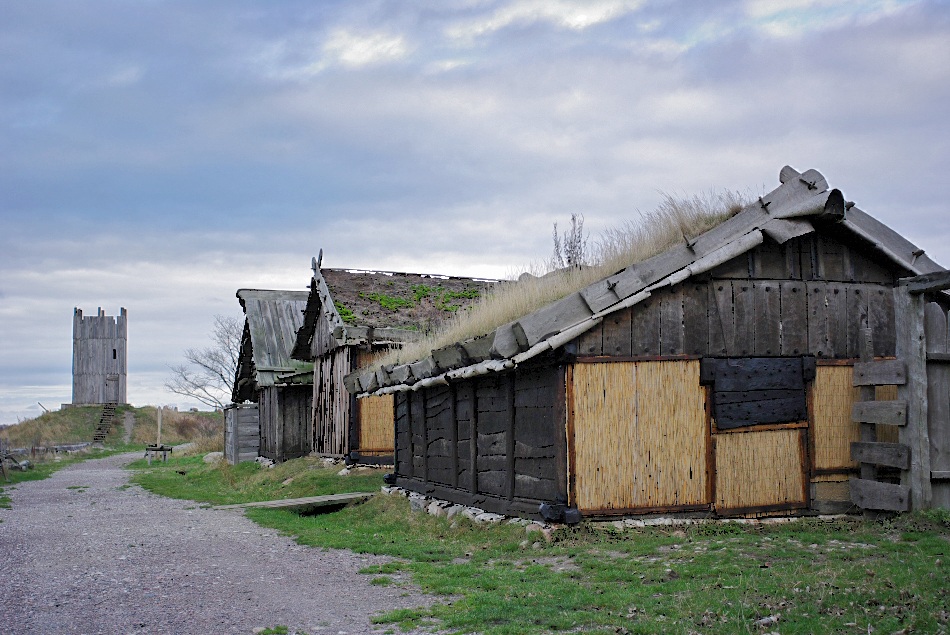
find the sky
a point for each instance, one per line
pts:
(158, 155)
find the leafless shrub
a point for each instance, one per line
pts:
(570, 249)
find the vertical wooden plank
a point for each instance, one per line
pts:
(881, 319)
(722, 331)
(671, 322)
(453, 435)
(592, 342)
(510, 436)
(423, 394)
(912, 350)
(767, 298)
(744, 335)
(831, 260)
(769, 262)
(716, 337)
(695, 319)
(560, 416)
(645, 327)
(793, 259)
(570, 395)
(866, 393)
(794, 318)
(836, 320)
(857, 320)
(616, 334)
(473, 445)
(938, 402)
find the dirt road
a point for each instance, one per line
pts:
(85, 552)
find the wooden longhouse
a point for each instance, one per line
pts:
(722, 376)
(267, 376)
(351, 317)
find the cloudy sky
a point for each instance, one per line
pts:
(158, 155)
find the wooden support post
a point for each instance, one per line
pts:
(912, 349)
(158, 438)
(473, 445)
(866, 393)
(510, 437)
(453, 434)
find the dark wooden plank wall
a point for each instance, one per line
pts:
(322, 341)
(295, 404)
(271, 433)
(809, 296)
(285, 423)
(332, 404)
(506, 426)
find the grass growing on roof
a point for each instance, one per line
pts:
(674, 220)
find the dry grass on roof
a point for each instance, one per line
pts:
(674, 220)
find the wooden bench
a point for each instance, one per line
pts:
(154, 450)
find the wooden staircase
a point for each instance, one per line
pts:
(106, 420)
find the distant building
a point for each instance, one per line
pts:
(100, 370)
(279, 387)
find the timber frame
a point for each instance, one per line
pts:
(649, 414)
(267, 376)
(352, 316)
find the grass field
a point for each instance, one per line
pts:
(846, 575)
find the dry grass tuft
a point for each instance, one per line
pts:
(674, 220)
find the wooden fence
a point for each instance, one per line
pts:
(242, 433)
(913, 473)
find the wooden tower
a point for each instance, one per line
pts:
(99, 358)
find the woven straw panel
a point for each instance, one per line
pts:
(757, 469)
(377, 431)
(640, 438)
(832, 429)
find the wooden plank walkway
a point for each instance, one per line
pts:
(304, 504)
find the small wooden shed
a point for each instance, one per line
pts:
(714, 378)
(242, 433)
(351, 317)
(267, 376)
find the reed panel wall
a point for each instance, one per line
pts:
(640, 436)
(760, 469)
(833, 396)
(833, 431)
(376, 425)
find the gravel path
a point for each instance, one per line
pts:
(84, 552)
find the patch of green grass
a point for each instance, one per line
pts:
(817, 576)
(219, 483)
(345, 313)
(389, 302)
(441, 296)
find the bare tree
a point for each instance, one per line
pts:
(209, 374)
(570, 249)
